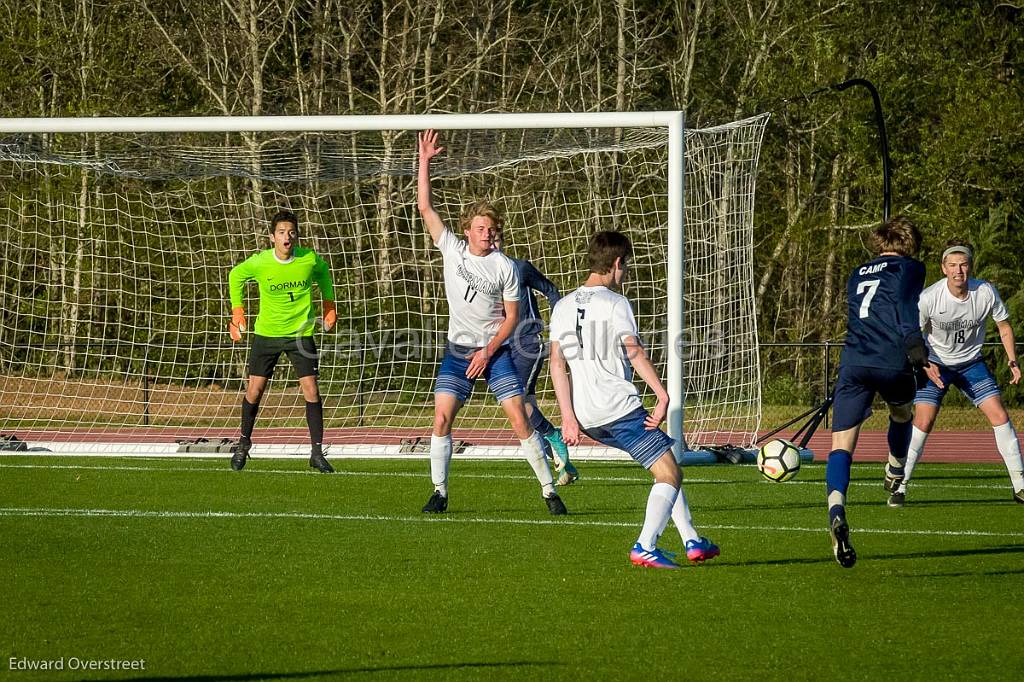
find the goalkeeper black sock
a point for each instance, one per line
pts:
(315, 420)
(249, 411)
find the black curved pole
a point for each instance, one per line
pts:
(883, 140)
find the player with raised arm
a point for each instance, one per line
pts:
(594, 335)
(285, 275)
(954, 313)
(483, 309)
(882, 350)
(528, 355)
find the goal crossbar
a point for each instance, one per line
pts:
(245, 124)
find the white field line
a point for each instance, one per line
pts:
(687, 480)
(158, 514)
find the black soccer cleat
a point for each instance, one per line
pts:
(897, 499)
(240, 453)
(841, 546)
(555, 505)
(437, 504)
(1018, 496)
(319, 462)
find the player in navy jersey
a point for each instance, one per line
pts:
(528, 354)
(883, 349)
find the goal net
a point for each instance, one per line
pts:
(117, 244)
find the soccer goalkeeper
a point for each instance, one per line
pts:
(285, 275)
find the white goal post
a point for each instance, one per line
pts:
(119, 234)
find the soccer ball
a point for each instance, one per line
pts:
(778, 460)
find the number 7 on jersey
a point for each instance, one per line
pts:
(870, 286)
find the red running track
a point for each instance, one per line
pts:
(943, 446)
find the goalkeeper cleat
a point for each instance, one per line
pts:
(898, 498)
(701, 549)
(240, 453)
(1018, 496)
(437, 504)
(841, 547)
(567, 473)
(556, 506)
(319, 462)
(651, 558)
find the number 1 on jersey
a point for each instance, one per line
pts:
(870, 286)
(580, 314)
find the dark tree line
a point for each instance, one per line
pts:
(948, 72)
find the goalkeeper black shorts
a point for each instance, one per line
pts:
(266, 350)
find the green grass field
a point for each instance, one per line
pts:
(276, 572)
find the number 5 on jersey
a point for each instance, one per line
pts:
(870, 286)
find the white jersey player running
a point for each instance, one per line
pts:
(954, 314)
(594, 334)
(482, 291)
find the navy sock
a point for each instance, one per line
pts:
(540, 423)
(899, 440)
(837, 478)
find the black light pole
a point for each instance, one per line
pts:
(818, 413)
(882, 138)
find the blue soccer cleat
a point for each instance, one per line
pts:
(701, 549)
(567, 473)
(651, 558)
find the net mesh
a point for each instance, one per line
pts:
(116, 249)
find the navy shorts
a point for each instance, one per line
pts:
(857, 386)
(630, 435)
(528, 356)
(500, 374)
(973, 380)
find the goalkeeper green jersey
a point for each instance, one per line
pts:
(286, 306)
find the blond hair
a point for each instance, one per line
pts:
(481, 208)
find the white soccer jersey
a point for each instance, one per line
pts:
(589, 325)
(476, 287)
(954, 328)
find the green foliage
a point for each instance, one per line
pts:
(949, 76)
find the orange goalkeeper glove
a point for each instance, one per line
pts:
(330, 315)
(237, 324)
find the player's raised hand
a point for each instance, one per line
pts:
(330, 315)
(429, 148)
(237, 324)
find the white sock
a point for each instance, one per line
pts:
(440, 460)
(533, 451)
(682, 518)
(917, 439)
(1009, 448)
(659, 509)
